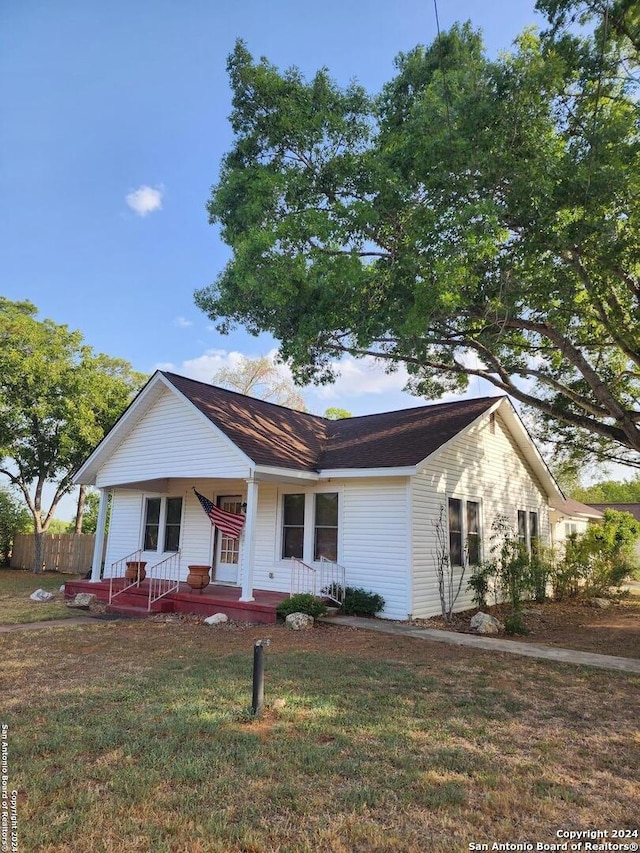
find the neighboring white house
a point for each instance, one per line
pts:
(570, 518)
(365, 492)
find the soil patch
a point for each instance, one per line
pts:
(571, 625)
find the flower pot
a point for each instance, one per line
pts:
(198, 577)
(136, 572)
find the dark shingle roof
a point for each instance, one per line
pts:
(633, 508)
(273, 435)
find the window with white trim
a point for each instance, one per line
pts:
(325, 536)
(528, 531)
(293, 509)
(162, 524)
(464, 532)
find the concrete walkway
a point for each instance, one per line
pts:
(512, 647)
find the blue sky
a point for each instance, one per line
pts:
(113, 126)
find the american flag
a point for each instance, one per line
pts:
(229, 523)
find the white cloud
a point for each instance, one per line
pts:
(182, 322)
(361, 376)
(145, 200)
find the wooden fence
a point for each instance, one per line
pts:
(64, 552)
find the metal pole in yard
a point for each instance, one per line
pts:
(258, 676)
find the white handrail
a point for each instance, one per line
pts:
(118, 570)
(333, 579)
(170, 580)
(303, 577)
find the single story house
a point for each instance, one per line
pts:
(570, 518)
(363, 493)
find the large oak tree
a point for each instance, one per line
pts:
(479, 217)
(57, 400)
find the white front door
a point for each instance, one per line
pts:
(227, 549)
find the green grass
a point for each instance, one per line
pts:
(16, 585)
(137, 736)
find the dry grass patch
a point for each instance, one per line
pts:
(136, 736)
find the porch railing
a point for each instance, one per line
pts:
(164, 577)
(333, 578)
(118, 571)
(303, 577)
(328, 580)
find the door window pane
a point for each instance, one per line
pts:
(522, 528)
(533, 533)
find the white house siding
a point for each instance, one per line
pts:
(172, 440)
(375, 540)
(478, 465)
(373, 537)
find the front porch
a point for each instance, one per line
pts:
(216, 598)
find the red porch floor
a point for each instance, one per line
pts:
(216, 598)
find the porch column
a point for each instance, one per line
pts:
(99, 543)
(249, 550)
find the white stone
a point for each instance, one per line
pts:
(483, 623)
(61, 588)
(299, 621)
(41, 595)
(83, 600)
(216, 619)
(602, 603)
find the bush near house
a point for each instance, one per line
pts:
(302, 602)
(360, 602)
(599, 559)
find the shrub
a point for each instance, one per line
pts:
(514, 624)
(600, 558)
(302, 602)
(359, 602)
(479, 583)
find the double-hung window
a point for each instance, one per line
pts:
(325, 537)
(528, 531)
(310, 526)
(162, 522)
(464, 532)
(293, 511)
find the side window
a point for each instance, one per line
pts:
(455, 531)
(325, 539)
(522, 529)
(292, 526)
(473, 532)
(533, 533)
(152, 524)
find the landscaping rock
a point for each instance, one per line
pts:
(602, 603)
(483, 623)
(299, 621)
(216, 619)
(83, 600)
(41, 595)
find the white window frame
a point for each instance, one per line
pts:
(162, 522)
(309, 523)
(464, 500)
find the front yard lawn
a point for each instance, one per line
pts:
(16, 585)
(135, 736)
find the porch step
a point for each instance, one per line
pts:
(128, 610)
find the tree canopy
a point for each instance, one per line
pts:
(57, 400)
(478, 217)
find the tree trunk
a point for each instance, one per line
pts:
(39, 552)
(82, 496)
